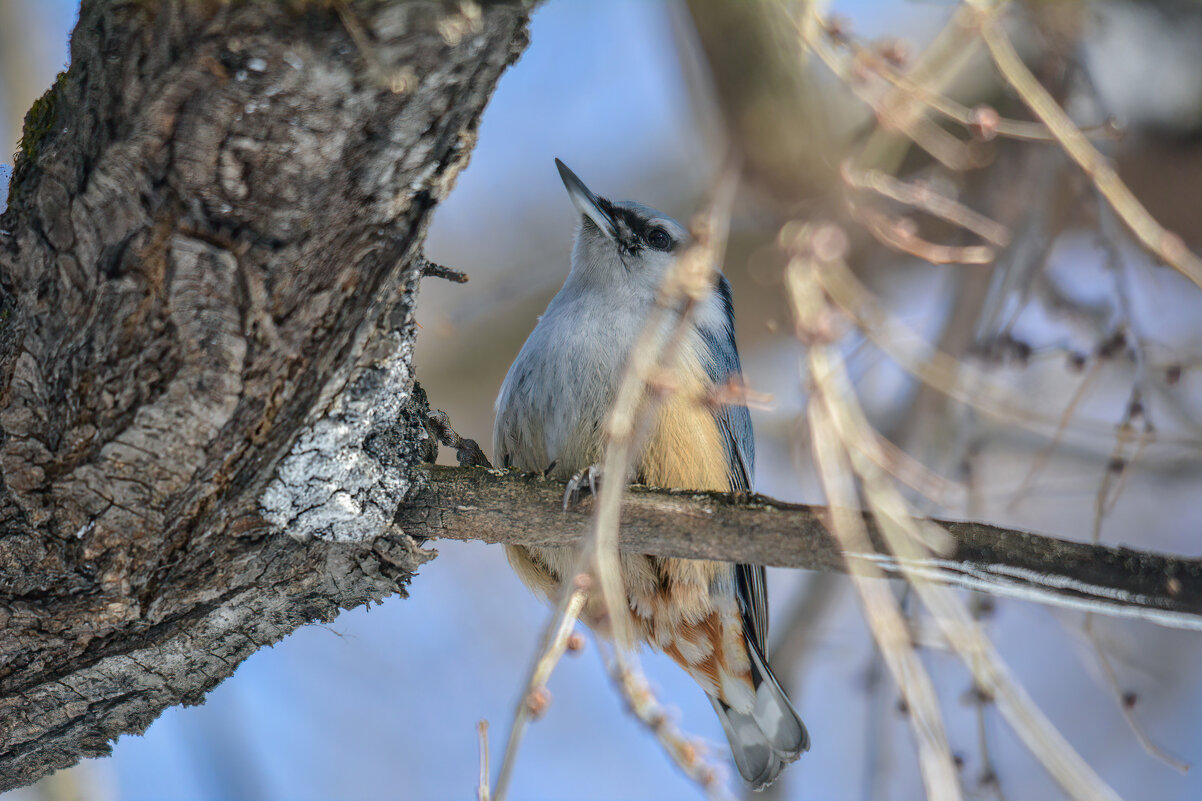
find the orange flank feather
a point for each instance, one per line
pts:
(679, 614)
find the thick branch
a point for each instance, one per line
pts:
(478, 504)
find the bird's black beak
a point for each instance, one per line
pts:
(586, 202)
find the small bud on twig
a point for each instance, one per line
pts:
(983, 124)
(1111, 346)
(537, 702)
(837, 27)
(895, 52)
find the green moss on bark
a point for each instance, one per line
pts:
(39, 122)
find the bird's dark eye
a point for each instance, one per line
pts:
(659, 239)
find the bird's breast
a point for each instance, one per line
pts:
(684, 447)
(559, 394)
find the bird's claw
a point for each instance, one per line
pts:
(589, 475)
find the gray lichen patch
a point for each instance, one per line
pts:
(6, 174)
(332, 487)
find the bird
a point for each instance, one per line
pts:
(709, 617)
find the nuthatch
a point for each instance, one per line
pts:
(710, 617)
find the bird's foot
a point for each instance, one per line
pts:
(589, 477)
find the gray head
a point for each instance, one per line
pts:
(621, 243)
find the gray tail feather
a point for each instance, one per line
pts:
(770, 736)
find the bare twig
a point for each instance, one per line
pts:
(910, 538)
(555, 640)
(926, 199)
(915, 475)
(983, 121)
(981, 702)
(1126, 702)
(1114, 475)
(956, 379)
(846, 447)
(482, 793)
(900, 234)
(892, 113)
(989, 776)
(685, 284)
(1045, 453)
(881, 610)
(905, 534)
(690, 754)
(1166, 245)
(432, 270)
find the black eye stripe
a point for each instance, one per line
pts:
(637, 225)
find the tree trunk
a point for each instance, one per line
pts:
(207, 278)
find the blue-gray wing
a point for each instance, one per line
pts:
(735, 424)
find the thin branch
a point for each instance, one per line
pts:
(900, 234)
(689, 280)
(534, 697)
(893, 114)
(1126, 702)
(1165, 244)
(434, 270)
(692, 755)
(881, 608)
(1045, 453)
(958, 380)
(906, 536)
(482, 783)
(837, 419)
(981, 701)
(925, 198)
(983, 121)
(495, 506)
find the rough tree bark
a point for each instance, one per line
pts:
(207, 277)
